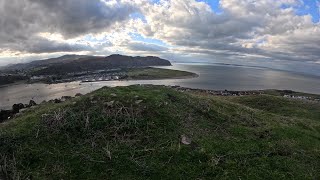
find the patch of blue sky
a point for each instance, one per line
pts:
(91, 38)
(308, 7)
(139, 37)
(311, 7)
(214, 4)
(155, 1)
(138, 15)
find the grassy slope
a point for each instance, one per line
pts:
(157, 73)
(252, 137)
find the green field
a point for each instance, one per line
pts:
(136, 132)
(156, 73)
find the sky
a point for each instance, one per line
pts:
(282, 34)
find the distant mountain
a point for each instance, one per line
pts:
(78, 63)
(44, 63)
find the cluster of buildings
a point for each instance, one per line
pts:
(218, 93)
(101, 75)
(99, 78)
(301, 97)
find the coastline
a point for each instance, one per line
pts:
(77, 85)
(147, 79)
(288, 94)
(24, 91)
(82, 82)
(12, 84)
(145, 73)
(178, 77)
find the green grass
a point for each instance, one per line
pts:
(137, 135)
(157, 73)
(281, 106)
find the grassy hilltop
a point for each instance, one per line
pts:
(155, 132)
(151, 73)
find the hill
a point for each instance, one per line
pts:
(156, 132)
(69, 67)
(102, 63)
(78, 63)
(43, 63)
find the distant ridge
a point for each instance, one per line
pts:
(76, 63)
(44, 62)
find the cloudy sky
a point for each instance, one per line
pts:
(284, 34)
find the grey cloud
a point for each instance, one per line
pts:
(41, 45)
(47, 46)
(22, 20)
(76, 17)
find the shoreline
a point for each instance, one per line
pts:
(282, 93)
(142, 79)
(146, 73)
(12, 84)
(178, 77)
(128, 79)
(180, 88)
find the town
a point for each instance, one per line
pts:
(85, 76)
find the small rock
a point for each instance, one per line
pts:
(17, 107)
(113, 94)
(22, 110)
(138, 101)
(78, 95)
(5, 114)
(110, 103)
(172, 97)
(65, 98)
(51, 101)
(32, 103)
(185, 140)
(57, 101)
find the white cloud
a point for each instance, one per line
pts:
(245, 27)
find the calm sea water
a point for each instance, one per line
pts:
(215, 77)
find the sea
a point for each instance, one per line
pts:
(211, 77)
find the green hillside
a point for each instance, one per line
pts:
(156, 132)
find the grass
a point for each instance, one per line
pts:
(157, 73)
(135, 133)
(281, 106)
